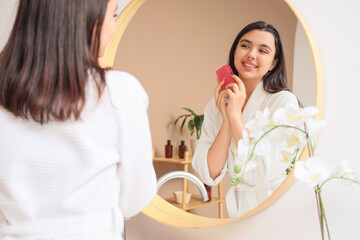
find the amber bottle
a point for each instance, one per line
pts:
(182, 149)
(208, 190)
(168, 149)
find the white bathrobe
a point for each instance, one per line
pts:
(259, 183)
(78, 180)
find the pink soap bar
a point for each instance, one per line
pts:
(225, 72)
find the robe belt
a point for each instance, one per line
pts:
(66, 226)
(235, 208)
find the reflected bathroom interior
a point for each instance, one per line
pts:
(173, 54)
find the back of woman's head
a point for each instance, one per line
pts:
(45, 65)
(274, 80)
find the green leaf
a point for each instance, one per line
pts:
(191, 111)
(182, 125)
(179, 118)
(191, 125)
(198, 123)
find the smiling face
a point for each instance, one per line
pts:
(254, 55)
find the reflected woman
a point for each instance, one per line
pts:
(257, 60)
(75, 145)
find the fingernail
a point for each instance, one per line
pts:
(232, 73)
(223, 80)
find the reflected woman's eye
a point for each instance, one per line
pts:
(244, 46)
(263, 51)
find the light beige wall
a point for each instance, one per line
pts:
(304, 70)
(174, 48)
(6, 19)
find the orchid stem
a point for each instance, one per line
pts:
(324, 216)
(318, 204)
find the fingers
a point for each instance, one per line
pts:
(222, 101)
(232, 86)
(230, 93)
(218, 87)
(238, 81)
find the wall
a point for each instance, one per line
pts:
(335, 26)
(304, 73)
(7, 16)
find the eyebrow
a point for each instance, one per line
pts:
(262, 45)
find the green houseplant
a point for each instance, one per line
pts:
(194, 124)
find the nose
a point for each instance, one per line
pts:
(251, 54)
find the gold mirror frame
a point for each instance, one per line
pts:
(164, 212)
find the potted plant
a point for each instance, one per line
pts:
(194, 125)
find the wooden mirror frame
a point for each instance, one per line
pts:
(166, 213)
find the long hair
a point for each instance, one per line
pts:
(45, 65)
(275, 80)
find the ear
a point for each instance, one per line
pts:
(273, 65)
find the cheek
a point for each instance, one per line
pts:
(107, 31)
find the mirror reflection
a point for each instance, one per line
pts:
(175, 47)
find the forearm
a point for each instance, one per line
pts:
(218, 151)
(237, 127)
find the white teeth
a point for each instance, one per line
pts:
(248, 65)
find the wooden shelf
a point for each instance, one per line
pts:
(174, 159)
(195, 202)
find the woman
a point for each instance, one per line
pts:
(75, 146)
(257, 60)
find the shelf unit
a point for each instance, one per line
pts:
(195, 200)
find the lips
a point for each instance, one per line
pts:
(249, 65)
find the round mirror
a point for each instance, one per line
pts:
(174, 48)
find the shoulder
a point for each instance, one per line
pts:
(125, 89)
(124, 82)
(282, 99)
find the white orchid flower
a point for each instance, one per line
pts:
(312, 172)
(342, 168)
(286, 156)
(243, 147)
(315, 127)
(242, 154)
(295, 139)
(293, 116)
(280, 117)
(258, 124)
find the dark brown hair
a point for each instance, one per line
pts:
(45, 65)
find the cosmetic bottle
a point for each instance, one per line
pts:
(208, 190)
(168, 149)
(182, 149)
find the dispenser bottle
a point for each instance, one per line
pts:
(168, 149)
(182, 149)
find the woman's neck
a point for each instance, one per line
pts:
(250, 86)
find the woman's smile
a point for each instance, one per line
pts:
(249, 65)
